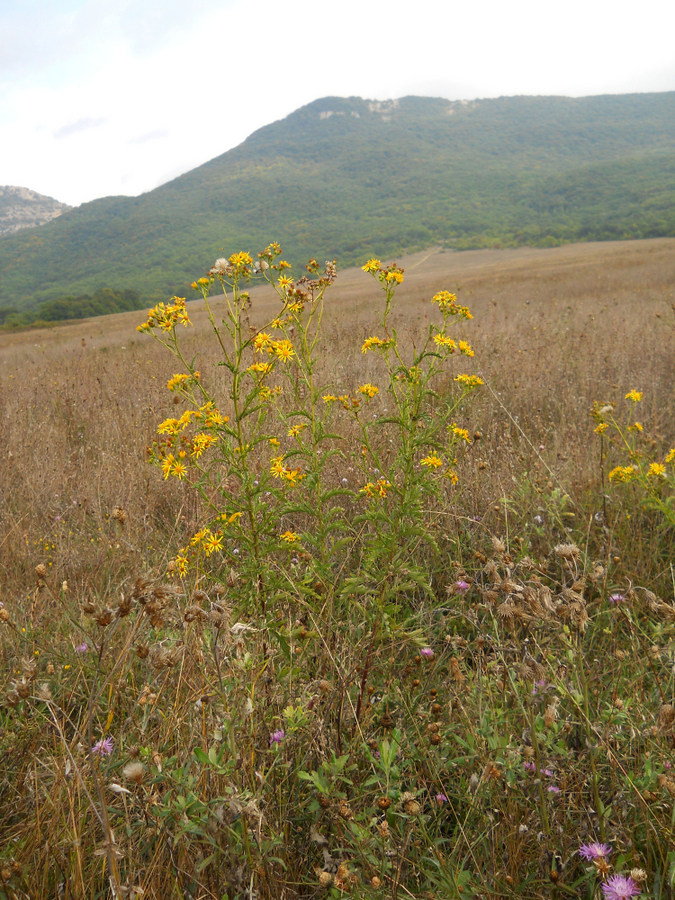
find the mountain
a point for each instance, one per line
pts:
(23, 208)
(347, 178)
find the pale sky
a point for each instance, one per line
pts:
(119, 97)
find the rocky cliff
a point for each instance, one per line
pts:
(23, 208)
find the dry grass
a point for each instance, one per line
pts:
(554, 330)
(519, 680)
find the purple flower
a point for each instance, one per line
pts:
(538, 687)
(276, 737)
(82, 648)
(616, 598)
(553, 789)
(103, 747)
(620, 887)
(594, 851)
(441, 799)
(530, 766)
(427, 653)
(462, 585)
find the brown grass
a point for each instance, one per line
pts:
(553, 331)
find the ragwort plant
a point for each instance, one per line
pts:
(320, 505)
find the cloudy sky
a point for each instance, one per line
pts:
(101, 98)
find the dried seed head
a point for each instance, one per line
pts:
(325, 878)
(568, 552)
(666, 716)
(134, 771)
(119, 515)
(41, 570)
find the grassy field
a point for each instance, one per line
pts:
(456, 716)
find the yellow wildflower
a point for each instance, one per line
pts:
(433, 461)
(262, 342)
(377, 488)
(465, 348)
(469, 381)
(371, 342)
(290, 537)
(199, 536)
(177, 381)
(656, 469)
(451, 475)
(260, 368)
(274, 442)
(636, 426)
(371, 266)
(167, 463)
(178, 469)
(169, 426)
(179, 564)
(277, 467)
(241, 260)
(634, 396)
(213, 542)
(601, 428)
(200, 443)
(214, 418)
(446, 342)
(369, 390)
(283, 349)
(622, 473)
(329, 398)
(284, 281)
(460, 433)
(295, 430)
(671, 456)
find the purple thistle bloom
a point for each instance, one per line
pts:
(594, 851)
(427, 653)
(103, 747)
(82, 648)
(441, 799)
(553, 789)
(616, 598)
(276, 737)
(620, 887)
(462, 585)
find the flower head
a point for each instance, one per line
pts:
(594, 851)
(620, 887)
(427, 653)
(276, 737)
(103, 747)
(616, 598)
(462, 585)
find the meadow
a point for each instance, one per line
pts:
(354, 625)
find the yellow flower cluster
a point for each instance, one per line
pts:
(442, 341)
(279, 470)
(200, 443)
(178, 380)
(433, 461)
(282, 349)
(166, 316)
(623, 473)
(386, 274)
(377, 488)
(656, 470)
(634, 396)
(290, 537)
(261, 368)
(371, 342)
(369, 390)
(447, 302)
(208, 540)
(460, 432)
(469, 381)
(295, 430)
(173, 466)
(241, 261)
